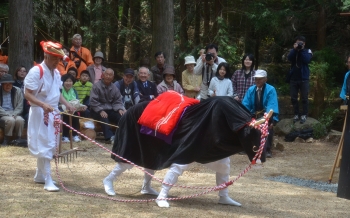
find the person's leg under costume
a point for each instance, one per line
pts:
(118, 170)
(222, 168)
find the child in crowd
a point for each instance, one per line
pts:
(73, 71)
(169, 82)
(83, 87)
(221, 84)
(19, 75)
(70, 94)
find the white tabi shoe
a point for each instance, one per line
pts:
(149, 191)
(162, 203)
(39, 178)
(228, 201)
(49, 185)
(108, 184)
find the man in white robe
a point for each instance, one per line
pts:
(42, 90)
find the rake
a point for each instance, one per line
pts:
(72, 152)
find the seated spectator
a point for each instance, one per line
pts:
(128, 89)
(169, 82)
(96, 70)
(157, 70)
(3, 58)
(80, 55)
(73, 71)
(20, 74)
(63, 65)
(4, 69)
(11, 101)
(221, 85)
(147, 89)
(83, 87)
(261, 98)
(144, 62)
(106, 103)
(70, 94)
(191, 82)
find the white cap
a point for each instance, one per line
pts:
(260, 73)
(189, 60)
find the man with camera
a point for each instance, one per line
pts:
(298, 77)
(207, 67)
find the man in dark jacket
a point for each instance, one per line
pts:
(128, 89)
(158, 69)
(299, 75)
(147, 89)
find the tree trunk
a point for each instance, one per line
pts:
(21, 34)
(113, 33)
(218, 13)
(257, 56)
(206, 15)
(135, 23)
(197, 23)
(183, 27)
(122, 37)
(79, 14)
(321, 28)
(93, 25)
(163, 29)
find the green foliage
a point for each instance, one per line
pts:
(326, 121)
(228, 49)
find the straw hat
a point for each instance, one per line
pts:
(54, 49)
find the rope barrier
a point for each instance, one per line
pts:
(256, 160)
(88, 119)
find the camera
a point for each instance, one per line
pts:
(300, 45)
(209, 57)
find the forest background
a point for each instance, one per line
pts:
(128, 30)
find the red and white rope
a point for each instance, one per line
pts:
(264, 132)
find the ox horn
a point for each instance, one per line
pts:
(269, 115)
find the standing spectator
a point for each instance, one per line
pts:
(244, 78)
(83, 87)
(20, 74)
(73, 71)
(261, 98)
(157, 70)
(3, 58)
(147, 89)
(41, 88)
(96, 70)
(299, 76)
(106, 103)
(128, 89)
(80, 55)
(69, 93)
(11, 108)
(64, 65)
(190, 81)
(4, 69)
(169, 82)
(346, 84)
(221, 84)
(207, 68)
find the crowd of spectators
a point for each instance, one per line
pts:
(87, 80)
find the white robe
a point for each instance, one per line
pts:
(42, 140)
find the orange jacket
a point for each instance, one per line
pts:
(86, 55)
(4, 59)
(63, 70)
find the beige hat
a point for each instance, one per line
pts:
(99, 54)
(260, 73)
(189, 60)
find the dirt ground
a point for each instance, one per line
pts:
(21, 197)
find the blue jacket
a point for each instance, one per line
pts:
(305, 56)
(270, 100)
(344, 89)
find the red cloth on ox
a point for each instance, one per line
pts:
(163, 113)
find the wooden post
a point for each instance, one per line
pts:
(344, 174)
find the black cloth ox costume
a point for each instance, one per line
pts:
(207, 133)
